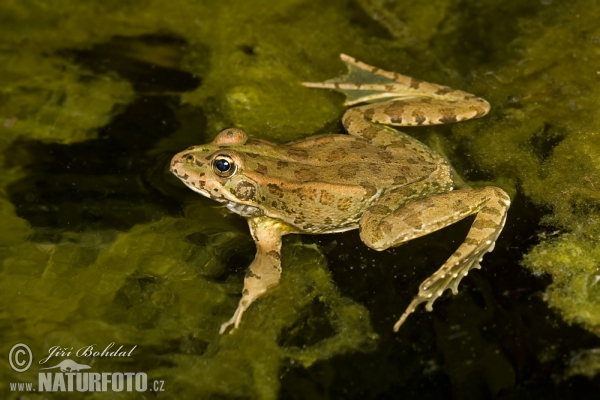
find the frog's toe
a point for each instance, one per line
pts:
(226, 325)
(235, 321)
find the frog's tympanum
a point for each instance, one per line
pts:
(390, 186)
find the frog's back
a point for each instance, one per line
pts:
(350, 160)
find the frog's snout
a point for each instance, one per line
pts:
(180, 161)
(183, 159)
(175, 161)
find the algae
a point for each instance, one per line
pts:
(115, 259)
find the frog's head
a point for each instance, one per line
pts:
(215, 170)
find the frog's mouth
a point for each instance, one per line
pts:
(242, 209)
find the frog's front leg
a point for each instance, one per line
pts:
(265, 270)
(382, 227)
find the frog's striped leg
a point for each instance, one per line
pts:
(382, 228)
(265, 270)
(409, 101)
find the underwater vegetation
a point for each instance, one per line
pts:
(100, 244)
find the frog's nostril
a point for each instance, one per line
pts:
(189, 158)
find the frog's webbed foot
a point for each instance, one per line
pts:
(408, 101)
(362, 84)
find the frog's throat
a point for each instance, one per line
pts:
(244, 210)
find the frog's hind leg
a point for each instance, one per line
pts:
(382, 228)
(408, 101)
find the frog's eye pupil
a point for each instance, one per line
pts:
(222, 165)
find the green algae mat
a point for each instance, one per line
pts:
(108, 261)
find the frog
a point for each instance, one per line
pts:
(377, 179)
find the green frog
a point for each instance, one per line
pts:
(386, 184)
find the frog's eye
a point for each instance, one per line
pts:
(224, 166)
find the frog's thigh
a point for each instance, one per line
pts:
(417, 218)
(419, 111)
(356, 125)
(265, 270)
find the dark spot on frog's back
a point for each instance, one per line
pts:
(261, 169)
(359, 144)
(348, 171)
(244, 191)
(275, 190)
(305, 174)
(336, 155)
(385, 156)
(298, 154)
(376, 168)
(282, 164)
